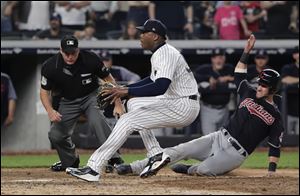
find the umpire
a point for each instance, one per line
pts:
(72, 75)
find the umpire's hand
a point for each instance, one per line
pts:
(54, 116)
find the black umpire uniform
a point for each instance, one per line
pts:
(76, 86)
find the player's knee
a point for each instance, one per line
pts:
(205, 171)
(55, 137)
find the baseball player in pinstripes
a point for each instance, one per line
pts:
(167, 98)
(256, 118)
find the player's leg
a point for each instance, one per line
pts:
(199, 149)
(208, 119)
(223, 159)
(222, 117)
(148, 137)
(165, 113)
(61, 132)
(99, 125)
(158, 115)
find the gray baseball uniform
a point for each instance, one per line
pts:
(213, 150)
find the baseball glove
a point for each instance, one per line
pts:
(101, 102)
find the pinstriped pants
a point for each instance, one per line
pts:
(144, 114)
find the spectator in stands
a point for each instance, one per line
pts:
(203, 19)
(73, 13)
(33, 16)
(253, 14)
(8, 100)
(119, 11)
(213, 81)
(227, 22)
(101, 13)
(176, 15)
(290, 78)
(138, 11)
(87, 33)
(261, 60)
(55, 31)
(279, 18)
(294, 24)
(130, 32)
(6, 15)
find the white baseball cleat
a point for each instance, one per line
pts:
(154, 164)
(85, 173)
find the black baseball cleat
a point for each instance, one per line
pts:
(124, 169)
(112, 163)
(181, 168)
(57, 167)
(86, 173)
(154, 164)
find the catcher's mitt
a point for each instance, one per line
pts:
(101, 103)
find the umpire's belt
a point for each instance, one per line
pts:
(193, 97)
(234, 143)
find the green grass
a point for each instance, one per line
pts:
(256, 160)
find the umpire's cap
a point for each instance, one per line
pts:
(269, 78)
(69, 44)
(154, 26)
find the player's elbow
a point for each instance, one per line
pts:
(162, 85)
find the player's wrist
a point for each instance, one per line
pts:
(272, 167)
(245, 58)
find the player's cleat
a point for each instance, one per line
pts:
(112, 163)
(57, 167)
(154, 164)
(124, 169)
(181, 168)
(85, 173)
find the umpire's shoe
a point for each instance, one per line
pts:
(124, 169)
(86, 173)
(112, 163)
(154, 164)
(57, 167)
(180, 168)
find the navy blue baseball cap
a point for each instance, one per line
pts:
(105, 55)
(55, 16)
(261, 54)
(69, 44)
(218, 52)
(154, 26)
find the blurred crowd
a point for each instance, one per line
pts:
(92, 20)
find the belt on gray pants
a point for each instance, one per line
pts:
(234, 143)
(218, 107)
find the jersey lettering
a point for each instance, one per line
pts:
(257, 110)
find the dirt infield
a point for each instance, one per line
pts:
(240, 181)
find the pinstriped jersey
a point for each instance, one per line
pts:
(167, 62)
